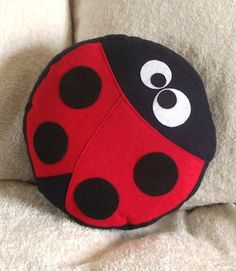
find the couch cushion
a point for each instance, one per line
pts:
(34, 235)
(30, 35)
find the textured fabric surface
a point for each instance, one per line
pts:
(34, 235)
(204, 33)
(31, 33)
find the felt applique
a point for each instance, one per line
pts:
(119, 131)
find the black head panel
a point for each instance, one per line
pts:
(127, 56)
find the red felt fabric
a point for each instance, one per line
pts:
(78, 124)
(112, 153)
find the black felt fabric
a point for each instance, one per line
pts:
(50, 142)
(127, 55)
(80, 87)
(155, 174)
(167, 99)
(96, 198)
(55, 188)
(158, 80)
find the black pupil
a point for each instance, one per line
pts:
(167, 99)
(158, 80)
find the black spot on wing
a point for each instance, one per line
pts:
(50, 142)
(96, 198)
(80, 87)
(155, 174)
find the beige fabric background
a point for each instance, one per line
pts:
(34, 235)
(204, 32)
(31, 33)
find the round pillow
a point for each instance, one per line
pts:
(119, 131)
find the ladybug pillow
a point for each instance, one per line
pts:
(119, 131)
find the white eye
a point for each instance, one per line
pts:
(155, 74)
(171, 107)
